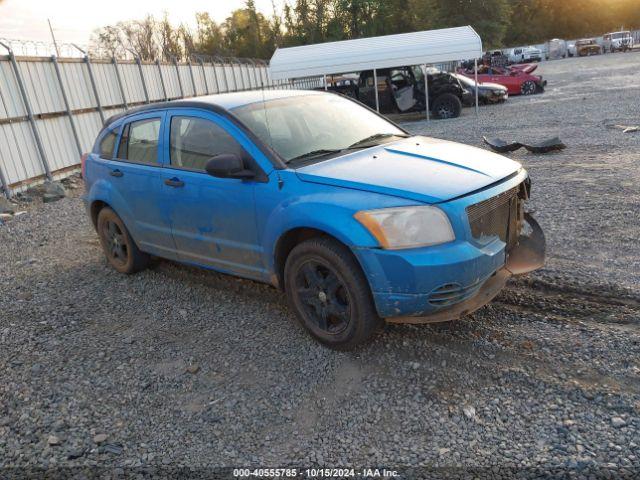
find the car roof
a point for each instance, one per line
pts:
(218, 102)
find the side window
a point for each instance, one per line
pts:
(139, 141)
(108, 143)
(194, 141)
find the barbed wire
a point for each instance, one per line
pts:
(38, 48)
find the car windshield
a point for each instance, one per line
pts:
(315, 126)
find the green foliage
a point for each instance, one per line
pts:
(249, 33)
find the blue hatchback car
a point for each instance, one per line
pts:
(356, 219)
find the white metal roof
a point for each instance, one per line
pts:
(430, 46)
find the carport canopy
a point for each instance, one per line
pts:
(346, 56)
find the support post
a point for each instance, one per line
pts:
(427, 107)
(175, 62)
(4, 184)
(248, 76)
(375, 87)
(325, 83)
(204, 75)
(65, 99)
(254, 68)
(226, 78)
(144, 84)
(32, 122)
(244, 87)
(475, 72)
(87, 60)
(124, 98)
(164, 88)
(193, 80)
(215, 77)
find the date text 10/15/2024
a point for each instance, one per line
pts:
(314, 473)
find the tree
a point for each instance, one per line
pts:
(490, 18)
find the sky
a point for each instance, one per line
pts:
(74, 20)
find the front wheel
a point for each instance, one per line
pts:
(447, 105)
(329, 294)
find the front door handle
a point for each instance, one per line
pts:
(174, 182)
(116, 173)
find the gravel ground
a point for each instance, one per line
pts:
(180, 370)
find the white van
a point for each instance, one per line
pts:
(524, 54)
(617, 41)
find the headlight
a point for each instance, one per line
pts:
(407, 227)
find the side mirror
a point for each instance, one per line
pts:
(228, 165)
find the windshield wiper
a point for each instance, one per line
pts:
(365, 142)
(314, 153)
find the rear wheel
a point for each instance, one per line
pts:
(329, 294)
(447, 105)
(117, 244)
(528, 88)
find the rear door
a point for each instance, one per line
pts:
(213, 219)
(135, 173)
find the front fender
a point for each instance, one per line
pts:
(326, 208)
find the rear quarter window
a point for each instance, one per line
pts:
(107, 143)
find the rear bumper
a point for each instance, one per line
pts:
(443, 283)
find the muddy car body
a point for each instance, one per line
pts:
(354, 218)
(586, 47)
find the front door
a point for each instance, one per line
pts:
(213, 219)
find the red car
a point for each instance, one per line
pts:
(519, 80)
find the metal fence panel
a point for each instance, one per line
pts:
(132, 82)
(153, 82)
(107, 83)
(41, 85)
(58, 142)
(18, 154)
(77, 84)
(11, 105)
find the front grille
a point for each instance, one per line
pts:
(496, 217)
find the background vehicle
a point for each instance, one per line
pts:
(354, 218)
(587, 46)
(524, 55)
(556, 48)
(488, 93)
(571, 49)
(518, 81)
(401, 89)
(617, 42)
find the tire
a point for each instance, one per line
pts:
(447, 105)
(121, 251)
(528, 88)
(329, 293)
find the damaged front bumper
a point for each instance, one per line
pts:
(443, 282)
(526, 256)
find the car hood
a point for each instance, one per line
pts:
(492, 86)
(418, 168)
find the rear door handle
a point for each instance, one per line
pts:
(174, 182)
(116, 173)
